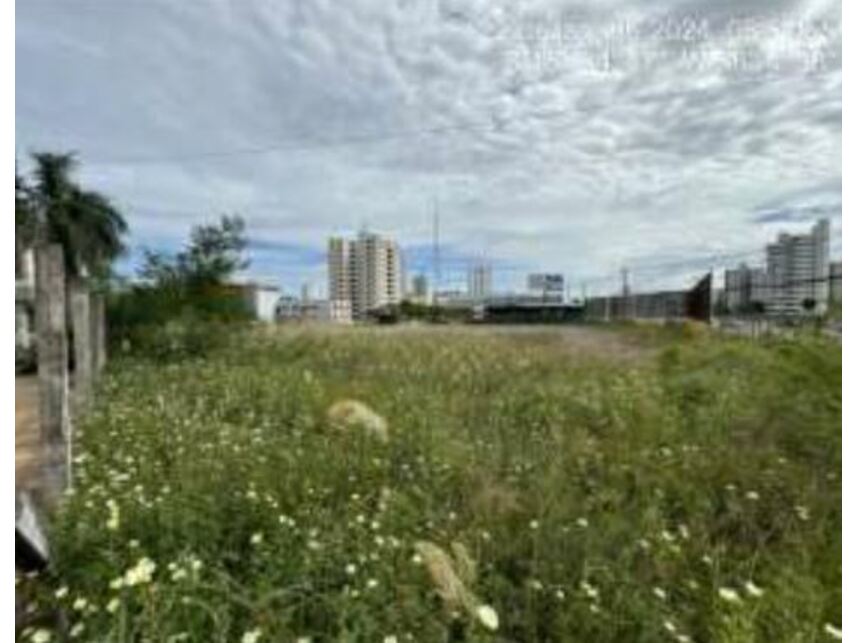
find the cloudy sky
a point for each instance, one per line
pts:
(668, 137)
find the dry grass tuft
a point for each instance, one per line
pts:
(348, 414)
(450, 578)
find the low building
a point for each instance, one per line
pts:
(531, 312)
(339, 311)
(288, 309)
(292, 309)
(452, 299)
(549, 287)
(261, 297)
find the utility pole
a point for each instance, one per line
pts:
(436, 249)
(626, 294)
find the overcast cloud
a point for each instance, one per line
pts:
(666, 136)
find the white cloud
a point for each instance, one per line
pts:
(565, 136)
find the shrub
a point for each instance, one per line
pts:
(160, 324)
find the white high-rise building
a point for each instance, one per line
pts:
(479, 282)
(798, 272)
(364, 274)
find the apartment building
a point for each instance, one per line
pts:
(798, 272)
(479, 282)
(364, 274)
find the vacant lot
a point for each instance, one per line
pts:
(535, 485)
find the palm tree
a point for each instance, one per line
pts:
(85, 223)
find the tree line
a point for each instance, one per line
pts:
(177, 298)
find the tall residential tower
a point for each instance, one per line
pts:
(798, 271)
(479, 282)
(364, 274)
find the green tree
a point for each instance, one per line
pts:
(214, 253)
(56, 209)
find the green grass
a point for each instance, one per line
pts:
(601, 499)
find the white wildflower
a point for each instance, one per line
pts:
(753, 589)
(488, 617)
(660, 593)
(835, 632)
(41, 636)
(62, 592)
(534, 524)
(141, 573)
(112, 523)
(729, 595)
(113, 605)
(256, 539)
(251, 636)
(76, 630)
(583, 523)
(351, 569)
(752, 495)
(589, 590)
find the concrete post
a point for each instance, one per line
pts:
(98, 333)
(83, 358)
(52, 347)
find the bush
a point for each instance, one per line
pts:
(164, 324)
(185, 337)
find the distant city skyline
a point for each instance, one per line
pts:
(560, 137)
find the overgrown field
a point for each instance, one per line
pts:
(688, 490)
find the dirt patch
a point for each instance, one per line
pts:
(27, 451)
